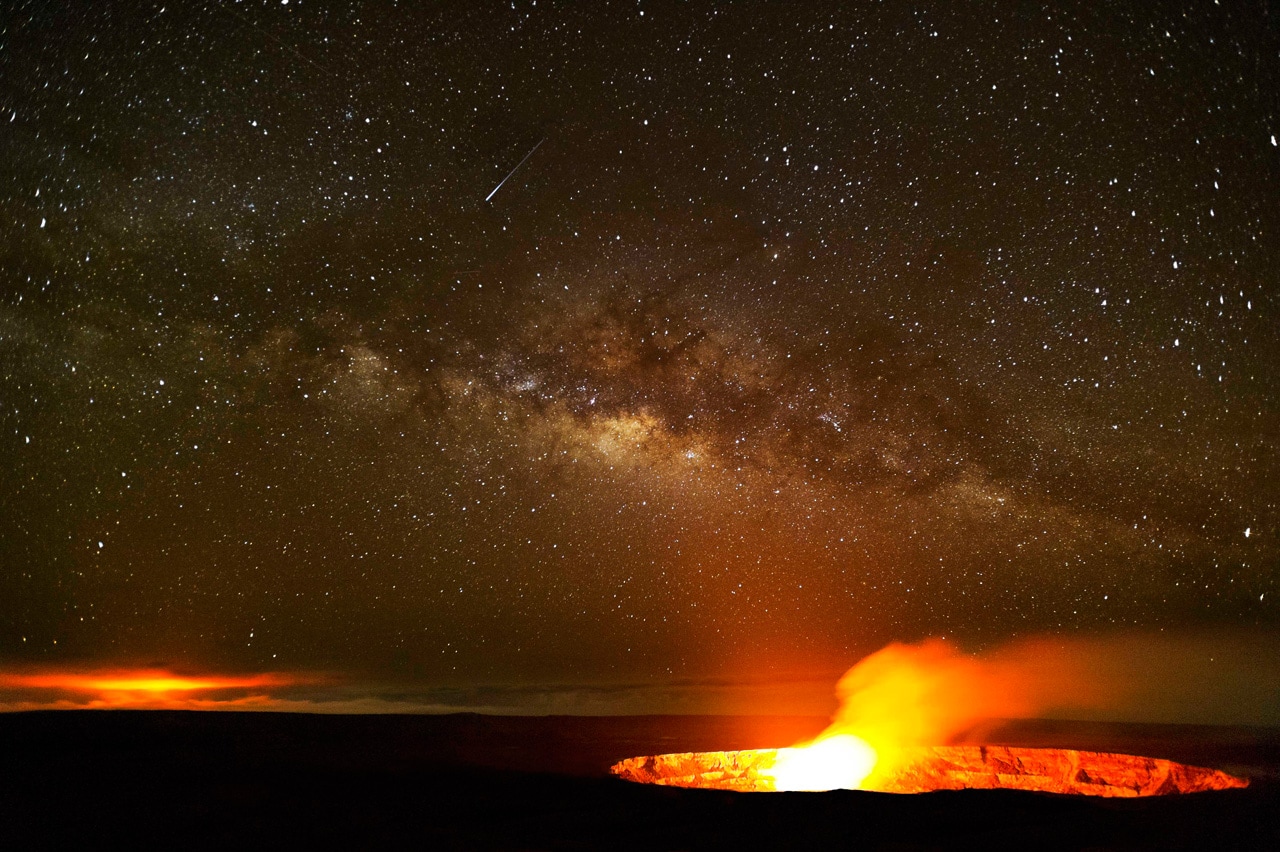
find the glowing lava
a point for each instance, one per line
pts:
(924, 769)
(900, 707)
(839, 762)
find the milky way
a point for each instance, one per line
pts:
(804, 329)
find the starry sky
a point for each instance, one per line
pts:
(797, 329)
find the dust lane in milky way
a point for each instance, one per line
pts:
(800, 331)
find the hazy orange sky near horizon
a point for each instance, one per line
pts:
(1218, 679)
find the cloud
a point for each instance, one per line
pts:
(931, 692)
(140, 688)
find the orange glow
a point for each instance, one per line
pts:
(143, 681)
(836, 762)
(907, 696)
(147, 688)
(928, 768)
(901, 710)
(900, 697)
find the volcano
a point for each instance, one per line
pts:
(959, 767)
(897, 703)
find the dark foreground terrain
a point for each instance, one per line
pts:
(225, 780)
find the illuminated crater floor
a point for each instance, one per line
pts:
(961, 767)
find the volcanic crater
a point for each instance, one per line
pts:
(956, 767)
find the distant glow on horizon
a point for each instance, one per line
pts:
(147, 681)
(147, 688)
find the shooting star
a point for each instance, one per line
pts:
(513, 171)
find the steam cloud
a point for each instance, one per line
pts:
(931, 693)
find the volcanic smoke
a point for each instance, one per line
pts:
(902, 708)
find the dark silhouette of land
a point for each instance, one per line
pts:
(222, 780)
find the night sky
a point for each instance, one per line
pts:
(797, 329)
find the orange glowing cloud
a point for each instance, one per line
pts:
(904, 697)
(141, 689)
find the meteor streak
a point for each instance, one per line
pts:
(513, 171)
